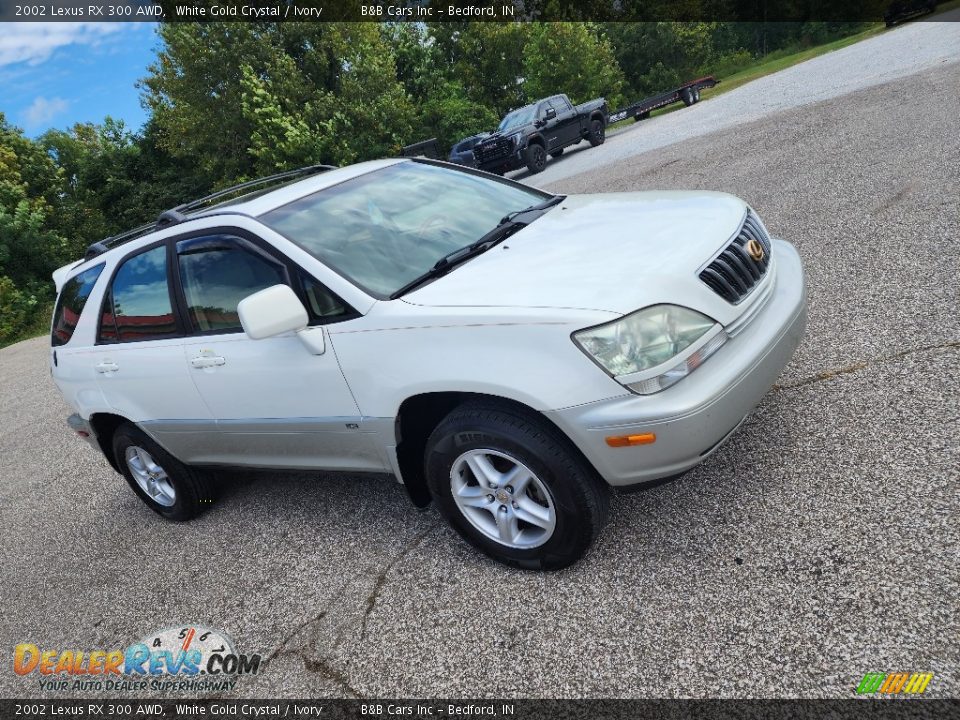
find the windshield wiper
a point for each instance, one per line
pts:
(548, 203)
(505, 228)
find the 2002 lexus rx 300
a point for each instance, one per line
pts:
(504, 352)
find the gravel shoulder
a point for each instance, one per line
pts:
(820, 543)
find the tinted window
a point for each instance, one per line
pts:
(322, 303)
(70, 304)
(138, 306)
(217, 273)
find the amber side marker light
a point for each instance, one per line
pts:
(628, 440)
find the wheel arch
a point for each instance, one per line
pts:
(420, 414)
(104, 426)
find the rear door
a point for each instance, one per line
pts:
(138, 356)
(276, 404)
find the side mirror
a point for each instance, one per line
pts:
(551, 114)
(271, 312)
(275, 311)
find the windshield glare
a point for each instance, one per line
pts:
(383, 229)
(523, 116)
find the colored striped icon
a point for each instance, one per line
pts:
(894, 683)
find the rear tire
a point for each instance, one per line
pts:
(687, 96)
(535, 157)
(598, 132)
(552, 516)
(696, 95)
(167, 486)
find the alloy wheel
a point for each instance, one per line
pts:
(150, 476)
(502, 498)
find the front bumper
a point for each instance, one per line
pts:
(693, 418)
(504, 164)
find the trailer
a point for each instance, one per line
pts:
(688, 94)
(425, 148)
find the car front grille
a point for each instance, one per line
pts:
(736, 270)
(493, 150)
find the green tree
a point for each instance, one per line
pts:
(571, 58)
(194, 92)
(659, 56)
(449, 116)
(487, 59)
(243, 99)
(29, 247)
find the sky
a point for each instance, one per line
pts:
(55, 74)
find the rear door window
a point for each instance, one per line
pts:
(70, 304)
(137, 306)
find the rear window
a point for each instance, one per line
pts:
(137, 306)
(70, 304)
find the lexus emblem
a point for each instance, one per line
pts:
(755, 250)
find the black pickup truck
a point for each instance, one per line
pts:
(526, 136)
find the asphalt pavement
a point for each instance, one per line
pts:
(820, 543)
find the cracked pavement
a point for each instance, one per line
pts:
(820, 543)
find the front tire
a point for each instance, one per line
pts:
(536, 158)
(167, 486)
(512, 487)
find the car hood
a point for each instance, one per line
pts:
(614, 252)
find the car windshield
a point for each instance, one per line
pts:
(385, 228)
(523, 116)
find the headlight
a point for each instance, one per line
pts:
(514, 139)
(653, 348)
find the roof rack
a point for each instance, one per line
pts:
(180, 213)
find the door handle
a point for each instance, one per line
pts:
(207, 361)
(106, 366)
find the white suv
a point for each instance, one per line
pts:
(506, 353)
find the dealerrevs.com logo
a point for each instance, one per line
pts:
(188, 658)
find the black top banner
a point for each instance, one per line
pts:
(383, 709)
(465, 10)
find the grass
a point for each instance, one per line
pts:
(40, 325)
(780, 60)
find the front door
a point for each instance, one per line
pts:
(567, 120)
(276, 403)
(551, 129)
